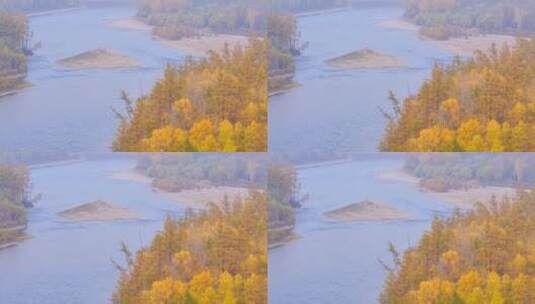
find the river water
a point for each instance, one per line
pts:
(335, 112)
(339, 262)
(66, 112)
(71, 262)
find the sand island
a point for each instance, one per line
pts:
(100, 59)
(98, 211)
(365, 59)
(366, 211)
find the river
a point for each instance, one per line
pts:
(71, 262)
(339, 262)
(67, 112)
(335, 112)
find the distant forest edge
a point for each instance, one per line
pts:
(481, 104)
(442, 19)
(446, 171)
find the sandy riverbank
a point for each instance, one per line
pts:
(462, 46)
(100, 59)
(193, 198)
(467, 199)
(200, 46)
(464, 199)
(196, 46)
(98, 211)
(467, 46)
(200, 198)
(366, 59)
(18, 88)
(131, 23)
(366, 211)
(131, 175)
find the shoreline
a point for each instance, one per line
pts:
(53, 12)
(203, 197)
(193, 46)
(462, 199)
(193, 198)
(320, 12)
(460, 46)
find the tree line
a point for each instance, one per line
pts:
(283, 198)
(213, 256)
(480, 104)
(13, 42)
(14, 199)
(483, 256)
(442, 19)
(217, 103)
(445, 171)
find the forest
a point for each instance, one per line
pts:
(14, 199)
(13, 44)
(483, 256)
(445, 171)
(212, 257)
(442, 19)
(216, 104)
(485, 103)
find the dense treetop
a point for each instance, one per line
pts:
(213, 104)
(211, 257)
(482, 104)
(483, 256)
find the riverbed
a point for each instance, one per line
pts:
(340, 262)
(334, 112)
(71, 262)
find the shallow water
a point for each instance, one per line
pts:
(335, 112)
(339, 262)
(66, 111)
(71, 262)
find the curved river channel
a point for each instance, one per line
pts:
(335, 112)
(338, 262)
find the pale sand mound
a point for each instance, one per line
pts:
(131, 23)
(202, 197)
(398, 176)
(467, 46)
(99, 59)
(131, 175)
(467, 199)
(98, 211)
(200, 46)
(365, 59)
(366, 211)
(398, 24)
